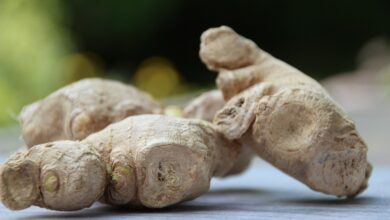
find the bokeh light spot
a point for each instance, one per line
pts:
(157, 76)
(82, 65)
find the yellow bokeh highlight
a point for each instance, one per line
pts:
(173, 110)
(82, 65)
(157, 76)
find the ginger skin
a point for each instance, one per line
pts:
(81, 108)
(204, 107)
(62, 175)
(147, 160)
(285, 116)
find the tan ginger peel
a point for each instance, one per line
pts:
(81, 108)
(147, 160)
(285, 116)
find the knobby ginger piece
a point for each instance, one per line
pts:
(204, 107)
(285, 116)
(147, 160)
(81, 108)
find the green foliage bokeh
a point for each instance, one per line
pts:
(32, 47)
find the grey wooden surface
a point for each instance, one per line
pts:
(261, 193)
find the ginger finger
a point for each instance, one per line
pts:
(82, 108)
(285, 116)
(63, 175)
(147, 160)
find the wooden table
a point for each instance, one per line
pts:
(261, 193)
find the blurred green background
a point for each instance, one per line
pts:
(46, 44)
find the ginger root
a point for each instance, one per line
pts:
(145, 160)
(82, 108)
(204, 107)
(285, 116)
(62, 175)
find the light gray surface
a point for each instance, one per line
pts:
(261, 193)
